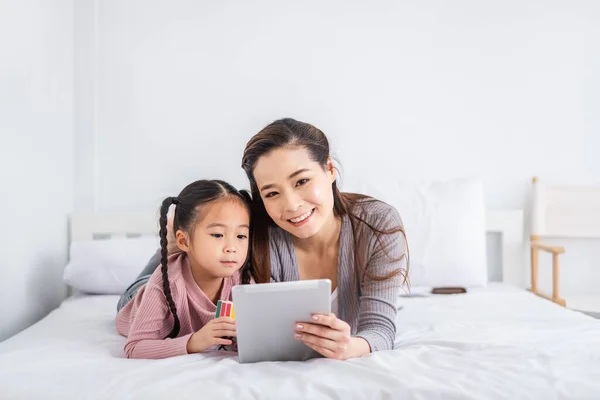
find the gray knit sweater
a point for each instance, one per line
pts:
(367, 305)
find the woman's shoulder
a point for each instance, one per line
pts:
(377, 229)
(375, 212)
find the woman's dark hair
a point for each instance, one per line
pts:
(187, 209)
(290, 133)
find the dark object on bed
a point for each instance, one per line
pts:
(448, 290)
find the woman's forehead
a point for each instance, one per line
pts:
(281, 163)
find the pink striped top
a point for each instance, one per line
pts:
(146, 320)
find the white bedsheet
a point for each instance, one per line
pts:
(500, 343)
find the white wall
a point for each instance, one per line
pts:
(36, 157)
(410, 89)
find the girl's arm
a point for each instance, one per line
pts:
(151, 324)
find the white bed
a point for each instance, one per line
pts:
(501, 342)
(497, 343)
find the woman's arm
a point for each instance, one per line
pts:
(378, 311)
(376, 328)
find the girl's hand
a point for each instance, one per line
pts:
(212, 334)
(330, 336)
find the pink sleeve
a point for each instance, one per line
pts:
(152, 323)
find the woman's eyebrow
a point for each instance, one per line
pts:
(298, 172)
(293, 174)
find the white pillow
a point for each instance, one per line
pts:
(108, 266)
(445, 227)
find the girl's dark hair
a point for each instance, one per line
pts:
(291, 133)
(187, 209)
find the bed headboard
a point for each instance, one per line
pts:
(507, 223)
(91, 226)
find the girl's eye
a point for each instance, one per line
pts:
(216, 235)
(242, 237)
(301, 182)
(270, 194)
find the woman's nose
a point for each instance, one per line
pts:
(293, 202)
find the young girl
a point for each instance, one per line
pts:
(173, 311)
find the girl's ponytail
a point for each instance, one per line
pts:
(164, 209)
(247, 270)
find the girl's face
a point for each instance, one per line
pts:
(219, 243)
(296, 190)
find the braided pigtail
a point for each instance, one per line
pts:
(247, 269)
(164, 209)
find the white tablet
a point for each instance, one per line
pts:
(266, 316)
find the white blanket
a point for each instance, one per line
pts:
(499, 343)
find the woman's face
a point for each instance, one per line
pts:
(296, 190)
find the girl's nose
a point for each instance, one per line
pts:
(230, 248)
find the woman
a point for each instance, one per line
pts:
(303, 227)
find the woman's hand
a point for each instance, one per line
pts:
(212, 334)
(330, 336)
